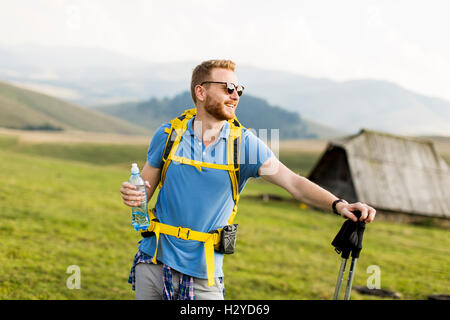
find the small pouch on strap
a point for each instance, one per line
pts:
(228, 239)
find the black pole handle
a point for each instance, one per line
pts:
(357, 214)
(360, 228)
(349, 237)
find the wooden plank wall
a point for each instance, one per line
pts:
(398, 174)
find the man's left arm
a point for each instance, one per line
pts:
(310, 193)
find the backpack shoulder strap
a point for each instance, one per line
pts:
(234, 148)
(175, 132)
(177, 127)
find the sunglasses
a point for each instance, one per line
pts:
(230, 87)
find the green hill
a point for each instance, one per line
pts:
(26, 109)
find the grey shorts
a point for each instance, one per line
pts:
(149, 284)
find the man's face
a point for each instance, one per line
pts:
(218, 102)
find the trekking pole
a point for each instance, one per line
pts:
(361, 226)
(345, 256)
(351, 275)
(348, 239)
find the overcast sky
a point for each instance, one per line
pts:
(406, 42)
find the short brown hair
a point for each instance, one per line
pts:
(203, 71)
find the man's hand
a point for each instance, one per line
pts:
(346, 210)
(130, 196)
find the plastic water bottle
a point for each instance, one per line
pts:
(139, 215)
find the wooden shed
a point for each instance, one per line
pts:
(391, 173)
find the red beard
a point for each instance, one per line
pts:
(218, 109)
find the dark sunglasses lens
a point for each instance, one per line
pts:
(230, 88)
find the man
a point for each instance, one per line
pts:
(201, 199)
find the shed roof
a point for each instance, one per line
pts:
(397, 173)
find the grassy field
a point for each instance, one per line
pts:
(60, 206)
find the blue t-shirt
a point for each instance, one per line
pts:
(199, 200)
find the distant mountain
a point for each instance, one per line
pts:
(252, 112)
(372, 104)
(97, 76)
(88, 76)
(25, 109)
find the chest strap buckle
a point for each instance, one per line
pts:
(183, 233)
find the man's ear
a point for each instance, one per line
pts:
(200, 93)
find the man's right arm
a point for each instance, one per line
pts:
(151, 176)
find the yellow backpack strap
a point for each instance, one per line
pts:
(233, 158)
(209, 241)
(177, 128)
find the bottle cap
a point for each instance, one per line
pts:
(134, 168)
